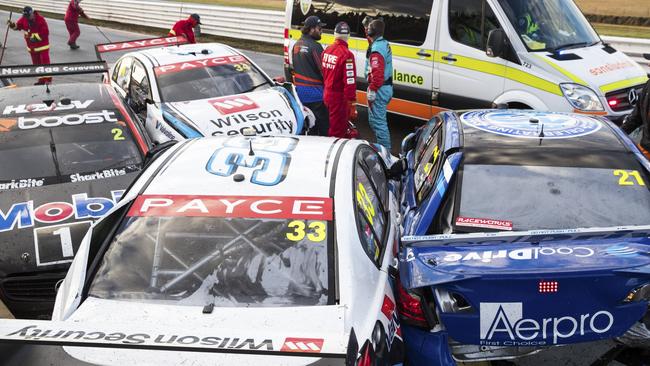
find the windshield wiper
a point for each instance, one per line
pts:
(570, 45)
(254, 87)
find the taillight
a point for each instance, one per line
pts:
(409, 306)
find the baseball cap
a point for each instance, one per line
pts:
(313, 21)
(27, 11)
(196, 17)
(342, 28)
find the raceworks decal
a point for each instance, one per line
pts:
(503, 324)
(25, 123)
(32, 332)
(42, 107)
(195, 64)
(23, 215)
(233, 206)
(532, 125)
(233, 121)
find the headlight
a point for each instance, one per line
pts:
(581, 97)
(641, 293)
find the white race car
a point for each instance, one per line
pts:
(208, 89)
(277, 251)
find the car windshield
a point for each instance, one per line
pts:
(60, 148)
(179, 83)
(228, 262)
(549, 25)
(544, 197)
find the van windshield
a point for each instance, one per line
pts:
(549, 25)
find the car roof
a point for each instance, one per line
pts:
(286, 166)
(525, 137)
(101, 94)
(187, 52)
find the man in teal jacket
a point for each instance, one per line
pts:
(379, 72)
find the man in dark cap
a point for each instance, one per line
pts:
(308, 74)
(185, 28)
(340, 81)
(36, 36)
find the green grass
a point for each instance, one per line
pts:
(622, 30)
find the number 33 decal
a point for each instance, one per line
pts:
(317, 231)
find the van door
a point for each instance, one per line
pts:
(410, 29)
(468, 78)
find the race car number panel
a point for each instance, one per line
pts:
(58, 244)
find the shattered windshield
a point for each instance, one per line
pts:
(225, 261)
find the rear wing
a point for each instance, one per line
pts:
(72, 68)
(152, 337)
(138, 44)
(532, 236)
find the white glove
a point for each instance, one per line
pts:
(372, 95)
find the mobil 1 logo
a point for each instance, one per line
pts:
(58, 244)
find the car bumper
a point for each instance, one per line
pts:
(426, 348)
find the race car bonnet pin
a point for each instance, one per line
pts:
(530, 124)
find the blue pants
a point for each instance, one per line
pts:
(377, 115)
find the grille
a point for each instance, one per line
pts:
(31, 288)
(618, 100)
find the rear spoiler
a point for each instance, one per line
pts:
(533, 236)
(152, 337)
(138, 44)
(72, 68)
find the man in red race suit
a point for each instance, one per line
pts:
(340, 83)
(185, 28)
(36, 36)
(72, 22)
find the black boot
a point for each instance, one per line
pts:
(74, 46)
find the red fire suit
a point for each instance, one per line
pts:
(184, 28)
(72, 21)
(37, 39)
(340, 87)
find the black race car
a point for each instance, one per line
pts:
(67, 152)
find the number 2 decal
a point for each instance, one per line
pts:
(117, 134)
(625, 180)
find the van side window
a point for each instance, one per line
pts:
(329, 12)
(407, 22)
(470, 22)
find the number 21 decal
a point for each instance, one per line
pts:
(626, 178)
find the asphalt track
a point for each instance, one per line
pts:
(16, 54)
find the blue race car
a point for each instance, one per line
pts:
(523, 230)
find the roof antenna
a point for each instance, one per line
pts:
(250, 148)
(541, 135)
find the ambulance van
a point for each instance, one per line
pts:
(460, 54)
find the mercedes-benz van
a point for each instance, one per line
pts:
(459, 54)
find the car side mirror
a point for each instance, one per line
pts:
(148, 101)
(496, 43)
(646, 56)
(398, 169)
(155, 151)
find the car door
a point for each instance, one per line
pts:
(139, 95)
(468, 78)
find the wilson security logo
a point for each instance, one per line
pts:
(504, 324)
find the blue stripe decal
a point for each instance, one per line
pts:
(300, 118)
(181, 127)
